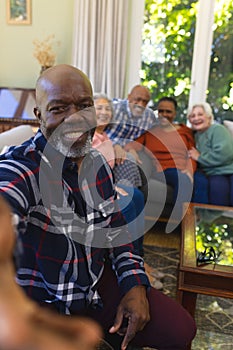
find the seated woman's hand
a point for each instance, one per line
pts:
(194, 154)
(120, 154)
(121, 191)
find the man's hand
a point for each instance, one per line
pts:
(7, 235)
(135, 155)
(23, 324)
(185, 171)
(134, 307)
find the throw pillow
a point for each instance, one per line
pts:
(229, 125)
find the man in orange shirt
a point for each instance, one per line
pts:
(168, 144)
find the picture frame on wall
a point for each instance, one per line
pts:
(18, 11)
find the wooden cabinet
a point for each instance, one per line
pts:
(16, 107)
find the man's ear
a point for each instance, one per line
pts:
(37, 113)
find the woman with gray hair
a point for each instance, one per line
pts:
(214, 154)
(125, 168)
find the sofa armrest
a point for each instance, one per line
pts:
(15, 136)
(145, 170)
(147, 164)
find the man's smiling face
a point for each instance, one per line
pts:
(199, 120)
(65, 110)
(138, 100)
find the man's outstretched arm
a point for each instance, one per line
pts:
(25, 325)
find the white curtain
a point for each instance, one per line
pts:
(107, 33)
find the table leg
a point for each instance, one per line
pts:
(188, 301)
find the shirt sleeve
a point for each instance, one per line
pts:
(14, 186)
(137, 145)
(191, 163)
(14, 190)
(219, 148)
(129, 267)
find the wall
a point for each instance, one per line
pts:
(18, 67)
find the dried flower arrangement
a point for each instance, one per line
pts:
(44, 51)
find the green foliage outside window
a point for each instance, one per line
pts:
(220, 238)
(168, 38)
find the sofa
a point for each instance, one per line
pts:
(229, 125)
(15, 136)
(158, 196)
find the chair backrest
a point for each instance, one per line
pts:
(15, 136)
(229, 125)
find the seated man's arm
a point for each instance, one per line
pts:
(133, 282)
(136, 146)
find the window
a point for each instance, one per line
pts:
(220, 89)
(169, 34)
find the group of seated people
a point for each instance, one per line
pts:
(196, 162)
(199, 157)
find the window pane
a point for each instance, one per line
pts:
(220, 91)
(168, 37)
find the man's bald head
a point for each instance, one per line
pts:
(140, 89)
(56, 76)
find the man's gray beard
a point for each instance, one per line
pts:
(56, 141)
(73, 153)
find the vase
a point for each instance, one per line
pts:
(43, 68)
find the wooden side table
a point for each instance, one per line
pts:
(202, 277)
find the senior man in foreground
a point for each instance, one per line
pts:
(73, 252)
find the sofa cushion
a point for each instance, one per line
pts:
(15, 136)
(158, 191)
(229, 125)
(147, 165)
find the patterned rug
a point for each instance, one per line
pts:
(214, 316)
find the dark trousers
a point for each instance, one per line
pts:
(171, 327)
(182, 189)
(200, 188)
(132, 208)
(221, 190)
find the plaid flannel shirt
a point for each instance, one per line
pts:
(68, 226)
(125, 127)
